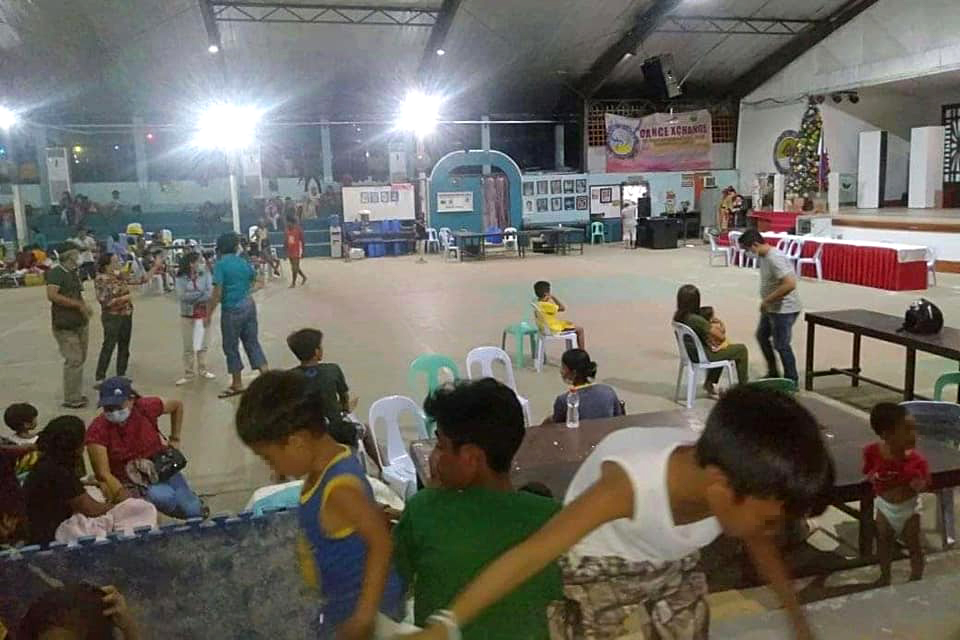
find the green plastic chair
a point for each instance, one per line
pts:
(597, 231)
(520, 331)
(430, 365)
(783, 385)
(943, 381)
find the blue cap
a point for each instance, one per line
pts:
(114, 392)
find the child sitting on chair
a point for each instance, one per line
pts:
(549, 307)
(898, 474)
(717, 336)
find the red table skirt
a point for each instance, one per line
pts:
(866, 266)
(775, 221)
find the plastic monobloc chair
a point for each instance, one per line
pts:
(384, 418)
(485, 357)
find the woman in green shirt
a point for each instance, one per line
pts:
(689, 313)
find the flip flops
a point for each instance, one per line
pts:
(229, 393)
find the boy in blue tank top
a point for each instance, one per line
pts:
(344, 544)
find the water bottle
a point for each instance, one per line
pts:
(573, 410)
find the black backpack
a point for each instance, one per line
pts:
(923, 317)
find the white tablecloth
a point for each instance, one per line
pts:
(905, 252)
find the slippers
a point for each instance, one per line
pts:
(229, 393)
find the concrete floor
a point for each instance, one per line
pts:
(380, 314)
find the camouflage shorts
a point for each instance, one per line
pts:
(610, 597)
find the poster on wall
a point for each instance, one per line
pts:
(528, 188)
(454, 201)
(569, 203)
(602, 201)
(659, 142)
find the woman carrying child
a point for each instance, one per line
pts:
(713, 334)
(194, 289)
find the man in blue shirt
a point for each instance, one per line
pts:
(233, 279)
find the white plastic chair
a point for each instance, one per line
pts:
(681, 332)
(448, 243)
(433, 240)
(737, 255)
(567, 338)
(486, 357)
(815, 260)
(931, 258)
(510, 240)
(252, 233)
(716, 250)
(783, 244)
(794, 252)
(384, 420)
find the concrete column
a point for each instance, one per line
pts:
(39, 135)
(140, 150)
(485, 140)
(558, 142)
(779, 184)
(926, 166)
(326, 151)
(234, 201)
(19, 217)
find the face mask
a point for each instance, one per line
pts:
(117, 416)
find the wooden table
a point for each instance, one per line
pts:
(551, 454)
(883, 327)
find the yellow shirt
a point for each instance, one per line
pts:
(549, 311)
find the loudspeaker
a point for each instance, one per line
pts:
(658, 74)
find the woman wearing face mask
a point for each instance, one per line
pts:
(116, 311)
(122, 440)
(194, 289)
(596, 400)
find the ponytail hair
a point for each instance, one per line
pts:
(579, 363)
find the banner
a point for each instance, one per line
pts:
(659, 142)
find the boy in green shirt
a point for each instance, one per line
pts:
(448, 534)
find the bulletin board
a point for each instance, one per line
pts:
(559, 195)
(605, 200)
(390, 202)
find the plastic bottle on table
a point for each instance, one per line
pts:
(573, 410)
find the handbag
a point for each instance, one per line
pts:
(168, 463)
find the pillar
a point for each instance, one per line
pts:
(871, 170)
(926, 167)
(559, 161)
(326, 151)
(140, 150)
(485, 140)
(39, 134)
(779, 184)
(833, 192)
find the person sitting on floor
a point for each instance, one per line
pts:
(898, 474)
(689, 313)
(344, 545)
(644, 503)
(549, 307)
(21, 419)
(446, 535)
(59, 506)
(79, 612)
(596, 400)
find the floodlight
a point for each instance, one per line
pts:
(441, 52)
(419, 113)
(8, 118)
(213, 48)
(227, 126)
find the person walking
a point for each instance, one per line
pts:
(70, 317)
(779, 304)
(293, 236)
(194, 290)
(233, 279)
(116, 311)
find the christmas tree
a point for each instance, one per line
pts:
(804, 177)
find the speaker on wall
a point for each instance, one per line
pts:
(658, 74)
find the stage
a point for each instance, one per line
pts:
(938, 229)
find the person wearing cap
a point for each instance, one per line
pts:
(70, 317)
(127, 431)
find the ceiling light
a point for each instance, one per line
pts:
(837, 97)
(441, 52)
(149, 136)
(213, 48)
(8, 118)
(419, 113)
(227, 126)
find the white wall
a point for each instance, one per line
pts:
(759, 127)
(892, 40)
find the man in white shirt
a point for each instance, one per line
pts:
(646, 500)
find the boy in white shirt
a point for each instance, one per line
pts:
(643, 504)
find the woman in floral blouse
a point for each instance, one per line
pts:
(116, 311)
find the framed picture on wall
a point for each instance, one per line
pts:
(569, 203)
(606, 195)
(373, 197)
(364, 197)
(582, 203)
(581, 185)
(394, 196)
(527, 205)
(384, 196)
(568, 186)
(556, 186)
(543, 204)
(542, 188)
(556, 204)
(528, 188)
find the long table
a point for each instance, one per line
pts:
(473, 244)
(883, 327)
(551, 454)
(883, 265)
(560, 238)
